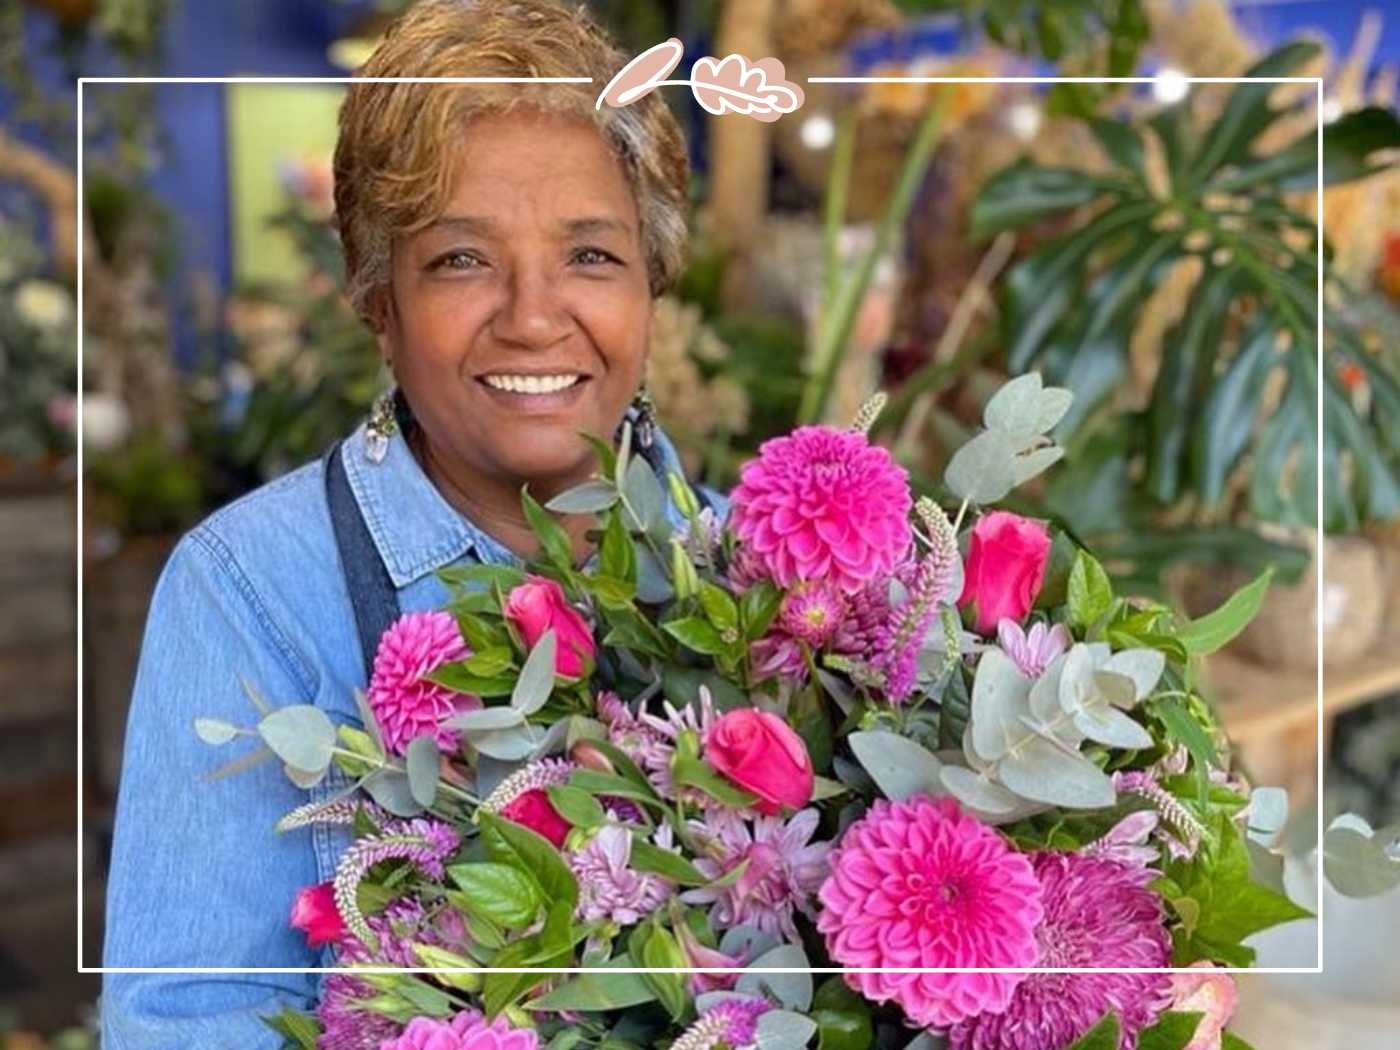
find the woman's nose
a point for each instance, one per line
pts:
(532, 314)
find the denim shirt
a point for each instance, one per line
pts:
(199, 877)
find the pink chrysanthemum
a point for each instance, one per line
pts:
(731, 1023)
(1097, 913)
(1034, 650)
(468, 1030)
(823, 504)
(921, 883)
(811, 612)
(608, 887)
(784, 869)
(404, 702)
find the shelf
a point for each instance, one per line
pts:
(1257, 701)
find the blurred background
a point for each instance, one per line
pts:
(1151, 246)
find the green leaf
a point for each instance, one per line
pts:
(302, 1029)
(510, 843)
(1024, 193)
(842, 1017)
(558, 549)
(597, 783)
(501, 893)
(660, 951)
(658, 861)
(983, 470)
(484, 720)
(588, 498)
(456, 677)
(1230, 1041)
(482, 574)
(698, 773)
(719, 607)
(616, 557)
(1208, 633)
(1231, 905)
(1172, 1031)
(1103, 1036)
(646, 502)
(593, 992)
(421, 761)
(536, 682)
(696, 634)
(1120, 141)
(489, 662)
(607, 455)
(576, 806)
(757, 607)
(625, 768)
(1090, 594)
(681, 686)
(391, 790)
(1183, 728)
(1357, 864)
(301, 735)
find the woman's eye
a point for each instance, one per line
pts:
(594, 256)
(456, 261)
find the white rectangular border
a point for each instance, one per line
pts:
(1319, 556)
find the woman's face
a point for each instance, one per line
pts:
(521, 317)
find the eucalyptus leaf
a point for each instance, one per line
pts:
(588, 498)
(983, 470)
(536, 681)
(509, 744)
(390, 789)
(1000, 696)
(1268, 813)
(748, 941)
(484, 720)
(421, 760)
(792, 990)
(300, 735)
(1034, 463)
(783, 1030)
(215, 730)
(645, 499)
(1106, 724)
(1143, 667)
(979, 792)
(1358, 864)
(899, 766)
(1042, 771)
(304, 778)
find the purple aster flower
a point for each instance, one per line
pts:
(1126, 841)
(782, 875)
(732, 1023)
(1034, 650)
(1098, 913)
(608, 888)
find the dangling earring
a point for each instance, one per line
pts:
(643, 418)
(381, 427)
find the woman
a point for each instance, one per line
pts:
(505, 244)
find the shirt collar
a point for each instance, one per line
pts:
(415, 529)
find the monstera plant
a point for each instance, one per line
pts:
(1230, 432)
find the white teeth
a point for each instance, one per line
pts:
(531, 384)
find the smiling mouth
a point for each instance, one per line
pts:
(513, 383)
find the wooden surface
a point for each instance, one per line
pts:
(1259, 701)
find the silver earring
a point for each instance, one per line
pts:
(381, 427)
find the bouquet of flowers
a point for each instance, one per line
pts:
(837, 728)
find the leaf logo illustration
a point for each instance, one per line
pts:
(730, 85)
(643, 75)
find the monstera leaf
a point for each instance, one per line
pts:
(1238, 381)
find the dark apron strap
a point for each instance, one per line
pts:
(373, 597)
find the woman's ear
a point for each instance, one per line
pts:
(382, 321)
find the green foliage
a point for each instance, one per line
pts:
(1071, 303)
(1219, 904)
(1171, 1031)
(1103, 1036)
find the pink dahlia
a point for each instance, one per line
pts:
(823, 504)
(468, 1030)
(1098, 913)
(404, 702)
(921, 883)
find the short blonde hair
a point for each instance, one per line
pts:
(393, 170)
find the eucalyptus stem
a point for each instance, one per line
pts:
(962, 510)
(838, 317)
(834, 214)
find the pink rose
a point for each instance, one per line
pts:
(532, 809)
(539, 604)
(764, 755)
(1210, 994)
(315, 914)
(1005, 568)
